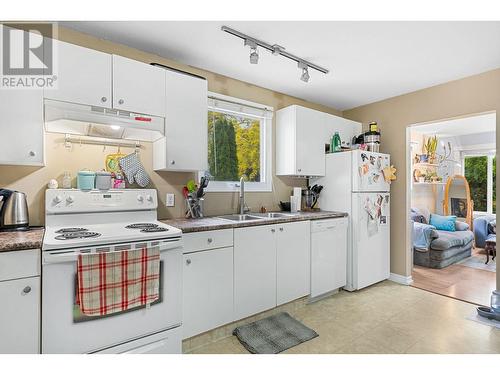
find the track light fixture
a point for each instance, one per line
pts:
(276, 50)
(254, 55)
(305, 73)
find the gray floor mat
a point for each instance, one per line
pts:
(273, 334)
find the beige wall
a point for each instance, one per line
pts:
(58, 159)
(476, 94)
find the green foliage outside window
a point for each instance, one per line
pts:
(476, 173)
(233, 147)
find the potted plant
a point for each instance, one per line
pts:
(430, 148)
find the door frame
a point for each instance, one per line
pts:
(408, 181)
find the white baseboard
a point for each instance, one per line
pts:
(400, 279)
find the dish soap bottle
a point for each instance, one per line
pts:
(336, 144)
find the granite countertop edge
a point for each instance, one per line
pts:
(21, 240)
(216, 223)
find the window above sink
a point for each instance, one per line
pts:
(239, 144)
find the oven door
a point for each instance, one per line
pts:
(66, 330)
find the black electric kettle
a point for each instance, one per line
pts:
(13, 210)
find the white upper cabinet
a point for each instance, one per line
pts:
(21, 140)
(138, 87)
(292, 261)
(300, 148)
(84, 75)
(301, 135)
(184, 147)
(21, 125)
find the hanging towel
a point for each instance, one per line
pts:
(117, 281)
(133, 169)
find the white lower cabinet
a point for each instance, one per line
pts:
(20, 316)
(208, 290)
(254, 270)
(292, 261)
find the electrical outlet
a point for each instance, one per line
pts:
(170, 200)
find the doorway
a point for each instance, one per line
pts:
(451, 192)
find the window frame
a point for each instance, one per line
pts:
(265, 148)
(489, 177)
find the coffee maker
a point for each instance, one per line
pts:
(13, 210)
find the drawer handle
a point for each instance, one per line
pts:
(121, 101)
(209, 240)
(188, 261)
(26, 289)
(281, 229)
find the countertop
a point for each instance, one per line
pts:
(215, 223)
(19, 240)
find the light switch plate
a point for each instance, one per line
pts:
(170, 200)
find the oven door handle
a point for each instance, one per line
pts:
(69, 255)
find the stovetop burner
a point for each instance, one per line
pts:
(71, 230)
(77, 235)
(142, 226)
(153, 230)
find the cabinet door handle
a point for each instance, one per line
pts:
(273, 230)
(299, 170)
(188, 261)
(104, 99)
(172, 162)
(209, 240)
(32, 153)
(26, 289)
(121, 101)
(281, 229)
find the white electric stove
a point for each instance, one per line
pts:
(86, 222)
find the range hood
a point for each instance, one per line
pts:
(92, 121)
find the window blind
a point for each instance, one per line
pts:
(232, 105)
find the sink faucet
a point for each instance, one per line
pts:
(242, 197)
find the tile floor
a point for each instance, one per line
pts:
(385, 318)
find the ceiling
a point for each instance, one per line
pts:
(485, 123)
(368, 61)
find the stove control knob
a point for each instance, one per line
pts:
(70, 199)
(140, 198)
(57, 199)
(149, 198)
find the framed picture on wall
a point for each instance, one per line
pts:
(459, 207)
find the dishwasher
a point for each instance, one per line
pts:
(328, 256)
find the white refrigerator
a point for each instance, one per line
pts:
(355, 183)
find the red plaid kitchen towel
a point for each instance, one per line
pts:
(117, 281)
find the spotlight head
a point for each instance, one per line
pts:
(305, 73)
(254, 56)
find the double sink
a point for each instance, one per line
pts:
(255, 216)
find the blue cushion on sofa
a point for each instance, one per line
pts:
(446, 223)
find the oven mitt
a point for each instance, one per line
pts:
(134, 171)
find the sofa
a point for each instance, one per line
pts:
(441, 248)
(485, 234)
